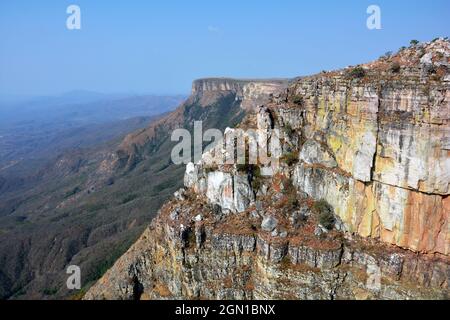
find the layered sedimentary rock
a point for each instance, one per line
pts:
(191, 252)
(390, 137)
(252, 93)
(356, 207)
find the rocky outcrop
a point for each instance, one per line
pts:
(314, 153)
(357, 206)
(180, 257)
(390, 137)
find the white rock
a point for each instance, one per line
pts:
(220, 189)
(269, 224)
(283, 234)
(180, 195)
(362, 165)
(320, 230)
(190, 176)
(254, 214)
(243, 193)
(314, 153)
(427, 58)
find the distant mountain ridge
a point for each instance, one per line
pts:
(87, 206)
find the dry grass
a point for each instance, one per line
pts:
(238, 224)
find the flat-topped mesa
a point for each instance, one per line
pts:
(251, 92)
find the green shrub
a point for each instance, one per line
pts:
(387, 55)
(254, 172)
(288, 130)
(290, 158)
(395, 67)
(325, 214)
(243, 167)
(414, 42)
(298, 100)
(252, 169)
(357, 73)
(292, 201)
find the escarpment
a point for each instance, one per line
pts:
(355, 207)
(251, 93)
(217, 102)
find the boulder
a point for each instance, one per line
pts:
(269, 224)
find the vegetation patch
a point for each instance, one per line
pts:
(395, 67)
(298, 100)
(324, 212)
(290, 158)
(357, 73)
(285, 263)
(288, 130)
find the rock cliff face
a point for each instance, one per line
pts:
(357, 206)
(252, 93)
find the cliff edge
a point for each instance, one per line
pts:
(357, 206)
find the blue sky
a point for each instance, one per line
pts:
(161, 46)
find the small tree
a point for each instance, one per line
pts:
(414, 42)
(357, 73)
(388, 54)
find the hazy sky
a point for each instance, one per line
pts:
(161, 46)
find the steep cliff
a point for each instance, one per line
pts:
(252, 93)
(217, 102)
(357, 206)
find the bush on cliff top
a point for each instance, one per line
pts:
(357, 73)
